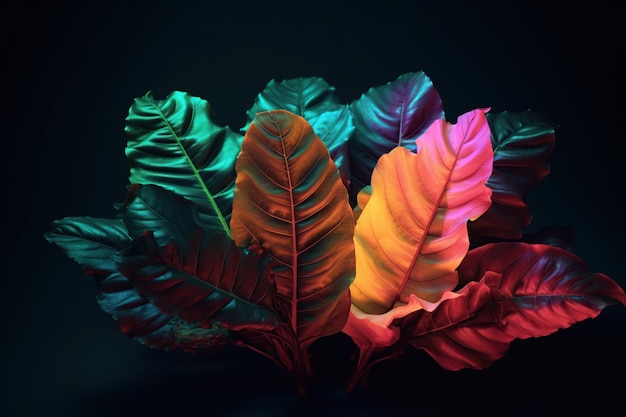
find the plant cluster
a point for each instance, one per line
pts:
(378, 218)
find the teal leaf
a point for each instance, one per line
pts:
(175, 143)
(334, 128)
(92, 242)
(308, 97)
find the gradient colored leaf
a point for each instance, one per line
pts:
(412, 234)
(394, 114)
(196, 272)
(290, 201)
(525, 290)
(522, 145)
(176, 144)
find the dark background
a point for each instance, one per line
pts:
(71, 71)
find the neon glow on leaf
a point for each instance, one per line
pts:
(376, 218)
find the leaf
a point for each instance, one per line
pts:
(376, 331)
(290, 201)
(394, 114)
(334, 128)
(377, 335)
(412, 234)
(92, 242)
(309, 97)
(525, 290)
(522, 144)
(197, 274)
(315, 100)
(176, 144)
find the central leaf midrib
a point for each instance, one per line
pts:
(195, 171)
(294, 266)
(418, 251)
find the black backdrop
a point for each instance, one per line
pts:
(71, 71)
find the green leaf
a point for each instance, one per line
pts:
(290, 201)
(308, 97)
(176, 144)
(191, 270)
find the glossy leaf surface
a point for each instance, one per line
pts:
(412, 234)
(522, 291)
(394, 114)
(315, 100)
(309, 97)
(92, 242)
(522, 145)
(290, 201)
(194, 272)
(175, 143)
(334, 128)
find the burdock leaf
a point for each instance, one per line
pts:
(175, 143)
(92, 242)
(394, 114)
(522, 144)
(412, 234)
(289, 200)
(193, 271)
(308, 97)
(523, 291)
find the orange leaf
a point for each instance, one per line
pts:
(290, 200)
(412, 234)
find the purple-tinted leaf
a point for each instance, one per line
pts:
(394, 114)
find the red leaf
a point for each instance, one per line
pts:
(524, 291)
